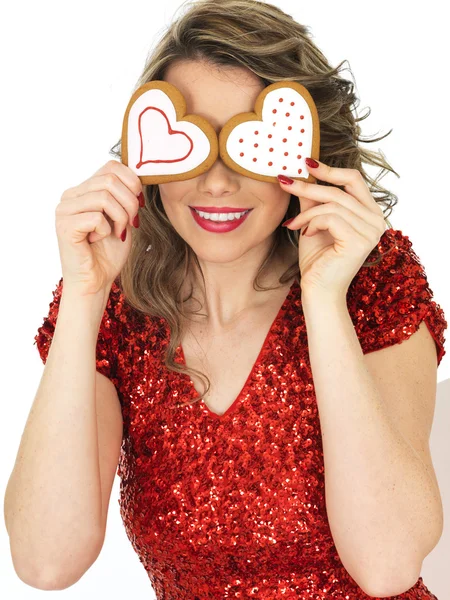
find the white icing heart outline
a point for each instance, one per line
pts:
(243, 118)
(178, 103)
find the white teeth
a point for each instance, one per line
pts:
(221, 216)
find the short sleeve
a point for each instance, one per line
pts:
(388, 301)
(108, 336)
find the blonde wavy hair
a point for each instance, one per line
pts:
(262, 38)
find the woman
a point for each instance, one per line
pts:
(295, 471)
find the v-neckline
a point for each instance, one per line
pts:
(235, 402)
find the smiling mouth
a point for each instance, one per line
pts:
(221, 217)
(223, 209)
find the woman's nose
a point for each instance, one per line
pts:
(220, 177)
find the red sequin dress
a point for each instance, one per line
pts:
(233, 506)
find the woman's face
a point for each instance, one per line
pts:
(217, 95)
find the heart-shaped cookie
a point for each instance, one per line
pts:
(160, 142)
(277, 137)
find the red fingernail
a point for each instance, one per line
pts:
(287, 222)
(311, 163)
(141, 200)
(136, 221)
(305, 230)
(285, 180)
(124, 234)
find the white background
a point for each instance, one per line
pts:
(68, 71)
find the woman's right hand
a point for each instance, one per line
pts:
(91, 249)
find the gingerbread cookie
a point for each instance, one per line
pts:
(160, 142)
(275, 138)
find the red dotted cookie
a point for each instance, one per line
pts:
(277, 137)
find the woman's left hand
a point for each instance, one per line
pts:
(343, 228)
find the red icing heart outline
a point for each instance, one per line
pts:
(170, 132)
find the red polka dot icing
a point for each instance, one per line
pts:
(272, 153)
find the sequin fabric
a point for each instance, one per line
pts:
(233, 506)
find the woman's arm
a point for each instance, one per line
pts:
(379, 496)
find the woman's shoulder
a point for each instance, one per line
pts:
(121, 327)
(389, 298)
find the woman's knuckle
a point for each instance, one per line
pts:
(105, 196)
(110, 178)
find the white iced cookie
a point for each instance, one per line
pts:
(160, 143)
(277, 137)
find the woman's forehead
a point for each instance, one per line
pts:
(215, 93)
